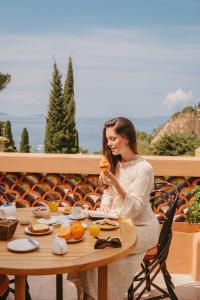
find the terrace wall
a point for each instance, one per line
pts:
(184, 254)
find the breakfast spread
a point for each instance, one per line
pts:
(104, 165)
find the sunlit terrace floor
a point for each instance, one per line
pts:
(43, 288)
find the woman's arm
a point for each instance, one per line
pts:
(134, 198)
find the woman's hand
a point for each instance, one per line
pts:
(108, 179)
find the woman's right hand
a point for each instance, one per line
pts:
(104, 179)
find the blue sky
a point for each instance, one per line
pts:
(134, 58)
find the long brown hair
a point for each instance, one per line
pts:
(125, 128)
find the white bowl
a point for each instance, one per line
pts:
(39, 211)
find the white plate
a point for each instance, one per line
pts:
(50, 221)
(80, 217)
(26, 230)
(72, 240)
(101, 215)
(22, 245)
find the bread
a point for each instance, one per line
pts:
(38, 228)
(110, 222)
(104, 165)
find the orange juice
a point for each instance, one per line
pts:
(53, 206)
(94, 229)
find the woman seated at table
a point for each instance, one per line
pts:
(129, 183)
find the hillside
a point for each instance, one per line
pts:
(185, 122)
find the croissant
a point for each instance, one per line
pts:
(104, 165)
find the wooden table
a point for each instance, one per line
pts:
(81, 256)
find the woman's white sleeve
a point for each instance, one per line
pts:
(138, 193)
(107, 199)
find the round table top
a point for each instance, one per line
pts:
(80, 256)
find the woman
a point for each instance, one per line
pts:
(129, 182)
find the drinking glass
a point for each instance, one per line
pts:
(53, 206)
(94, 229)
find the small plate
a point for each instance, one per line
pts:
(105, 226)
(80, 217)
(67, 213)
(50, 221)
(22, 245)
(73, 240)
(26, 230)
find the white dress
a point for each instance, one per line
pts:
(136, 178)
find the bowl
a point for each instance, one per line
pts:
(39, 211)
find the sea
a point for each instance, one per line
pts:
(89, 128)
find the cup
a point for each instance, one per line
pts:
(76, 211)
(53, 206)
(8, 211)
(94, 229)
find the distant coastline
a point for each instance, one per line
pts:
(89, 128)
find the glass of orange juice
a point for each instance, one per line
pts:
(94, 229)
(53, 205)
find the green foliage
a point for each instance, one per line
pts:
(10, 146)
(72, 140)
(188, 109)
(4, 80)
(175, 144)
(143, 142)
(193, 215)
(24, 144)
(61, 135)
(55, 116)
(2, 124)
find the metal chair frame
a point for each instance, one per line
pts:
(152, 265)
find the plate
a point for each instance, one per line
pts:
(80, 217)
(50, 221)
(72, 240)
(26, 230)
(100, 215)
(105, 226)
(22, 245)
(67, 213)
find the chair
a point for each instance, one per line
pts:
(155, 258)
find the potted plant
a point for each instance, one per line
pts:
(193, 214)
(192, 222)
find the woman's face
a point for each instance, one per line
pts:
(117, 143)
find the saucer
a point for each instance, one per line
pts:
(79, 217)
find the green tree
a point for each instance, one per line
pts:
(4, 80)
(176, 144)
(24, 143)
(71, 143)
(55, 117)
(10, 146)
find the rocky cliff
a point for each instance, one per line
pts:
(185, 122)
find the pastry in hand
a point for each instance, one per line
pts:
(104, 165)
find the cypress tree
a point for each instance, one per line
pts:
(71, 143)
(55, 116)
(10, 146)
(24, 144)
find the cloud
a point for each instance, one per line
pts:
(177, 97)
(119, 70)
